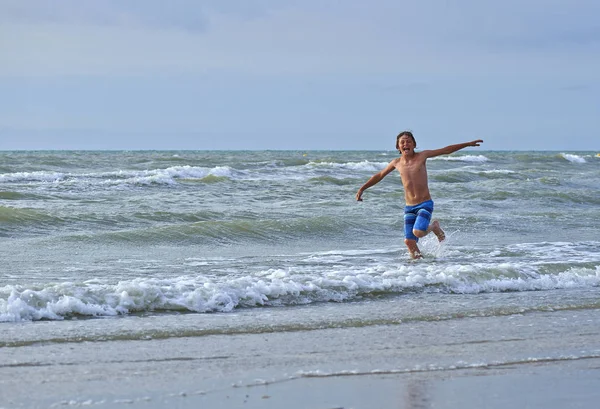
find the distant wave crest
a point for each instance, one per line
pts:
(38, 176)
(464, 158)
(573, 158)
(165, 176)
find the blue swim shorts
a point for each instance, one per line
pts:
(417, 217)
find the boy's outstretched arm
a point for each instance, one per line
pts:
(452, 148)
(376, 178)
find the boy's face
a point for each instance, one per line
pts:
(406, 144)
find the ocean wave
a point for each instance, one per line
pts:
(274, 288)
(11, 195)
(461, 365)
(174, 175)
(356, 166)
(13, 215)
(547, 158)
(166, 176)
(573, 158)
(464, 158)
(468, 174)
(499, 171)
(221, 232)
(38, 176)
(334, 172)
(326, 180)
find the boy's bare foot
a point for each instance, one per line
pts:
(413, 249)
(416, 255)
(437, 230)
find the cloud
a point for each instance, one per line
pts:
(407, 39)
(183, 14)
(189, 15)
(533, 25)
(292, 37)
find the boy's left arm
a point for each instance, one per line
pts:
(452, 148)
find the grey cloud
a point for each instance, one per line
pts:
(180, 14)
(534, 24)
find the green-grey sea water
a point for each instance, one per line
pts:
(163, 240)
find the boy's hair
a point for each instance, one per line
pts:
(403, 133)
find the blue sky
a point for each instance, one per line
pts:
(299, 74)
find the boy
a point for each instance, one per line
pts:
(413, 173)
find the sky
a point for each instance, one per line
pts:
(299, 74)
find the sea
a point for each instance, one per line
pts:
(132, 245)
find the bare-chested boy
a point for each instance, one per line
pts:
(413, 173)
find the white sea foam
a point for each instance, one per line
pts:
(441, 367)
(464, 158)
(359, 166)
(499, 171)
(221, 171)
(167, 176)
(573, 158)
(278, 287)
(31, 177)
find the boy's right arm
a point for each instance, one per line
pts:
(451, 148)
(376, 178)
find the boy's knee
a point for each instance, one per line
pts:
(419, 233)
(410, 242)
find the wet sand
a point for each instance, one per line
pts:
(547, 360)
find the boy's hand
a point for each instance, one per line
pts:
(359, 195)
(476, 143)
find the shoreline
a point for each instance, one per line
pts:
(540, 360)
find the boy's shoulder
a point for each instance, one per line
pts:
(423, 155)
(396, 161)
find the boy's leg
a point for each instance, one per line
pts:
(433, 227)
(422, 227)
(411, 239)
(437, 230)
(413, 249)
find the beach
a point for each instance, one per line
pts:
(531, 360)
(254, 279)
